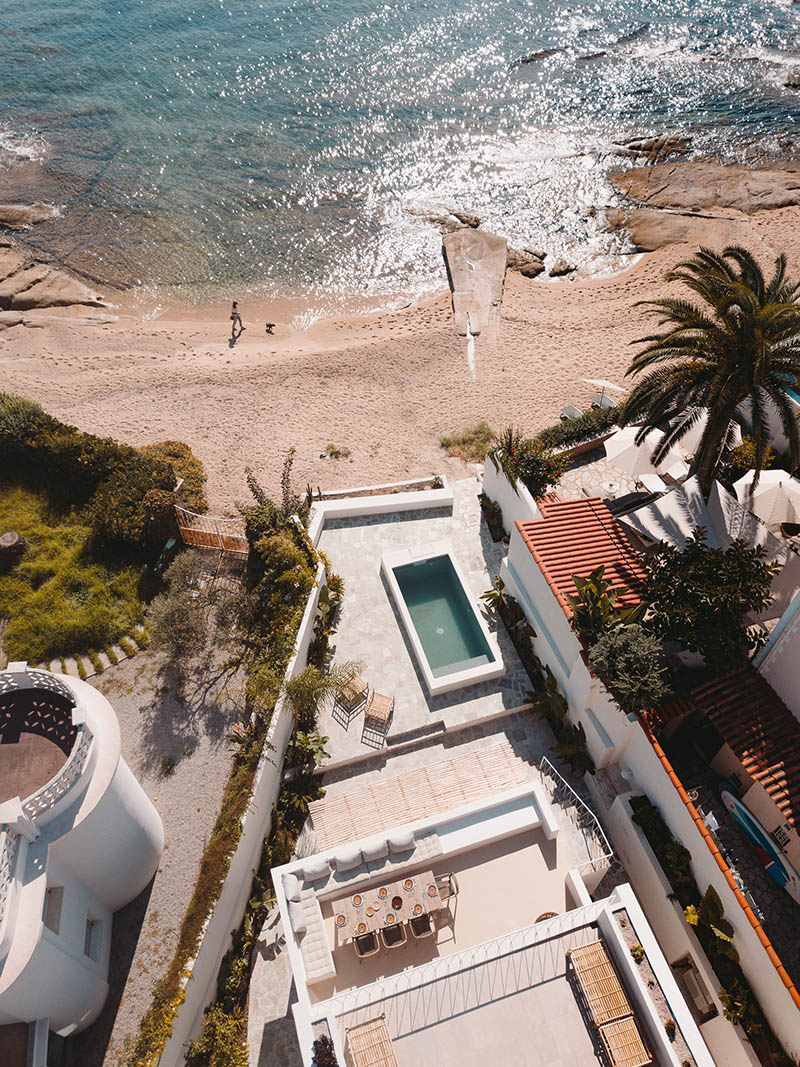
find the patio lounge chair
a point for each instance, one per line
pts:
(369, 1044)
(377, 717)
(570, 412)
(350, 701)
(366, 945)
(623, 1043)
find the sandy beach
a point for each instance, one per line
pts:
(385, 386)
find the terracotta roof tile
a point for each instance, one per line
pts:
(762, 732)
(574, 537)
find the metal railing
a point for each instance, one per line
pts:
(544, 940)
(579, 814)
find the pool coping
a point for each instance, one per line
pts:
(458, 679)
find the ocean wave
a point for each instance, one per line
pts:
(15, 146)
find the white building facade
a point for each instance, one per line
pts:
(74, 850)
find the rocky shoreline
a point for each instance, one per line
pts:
(27, 285)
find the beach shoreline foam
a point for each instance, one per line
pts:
(384, 385)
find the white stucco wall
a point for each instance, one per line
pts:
(779, 660)
(613, 737)
(518, 505)
(100, 842)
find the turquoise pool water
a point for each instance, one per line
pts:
(442, 616)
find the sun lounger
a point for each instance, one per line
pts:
(623, 1043)
(571, 412)
(603, 401)
(369, 1044)
(605, 997)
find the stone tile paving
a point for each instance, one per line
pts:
(370, 630)
(271, 1035)
(591, 472)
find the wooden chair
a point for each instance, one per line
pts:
(422, 926)
(366, 945)
(447, 884)
(350, 701)
(623, 1043)
(394, 936)
(378, 714)
(369, 1044)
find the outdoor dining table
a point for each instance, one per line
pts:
(373, 908)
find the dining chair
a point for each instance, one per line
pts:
(366, 945)
(394, 936)
(422, 926)
(447, 884)
(350, 701)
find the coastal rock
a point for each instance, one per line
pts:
(650, 228)
(526, 262)
(703, 186)
(476, 268)
(10, 262)
(793, 78)
(534, 57)
(21, 280)
(560, 268)
(9, 319)
(55, 289)
(657, 149)
(447, 219)
(21, 216)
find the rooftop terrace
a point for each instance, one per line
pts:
(371, 632)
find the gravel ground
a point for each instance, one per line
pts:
(155, 727)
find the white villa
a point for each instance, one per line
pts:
(78, 839)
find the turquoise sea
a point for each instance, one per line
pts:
(201, 148)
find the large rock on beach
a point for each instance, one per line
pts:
(705, 186)
(447, 219)
(656, 149)
(649, 228)
(476, 269)
(56, 290)
(21, 216)
(561, 268)
(527, 262)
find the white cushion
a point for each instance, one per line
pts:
(346, 857)
(375, 849)
(291, 887)
(297, 917)
(316, 868)
(401, 840)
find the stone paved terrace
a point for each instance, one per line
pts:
(370, 630)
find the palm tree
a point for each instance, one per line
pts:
(740, 343)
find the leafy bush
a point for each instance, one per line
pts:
(637, 951)
(594, 609)
(549, 702)
(628, 661)
(186, 465)
(324, 1053)
(742, 459)
(573, 431)
(105, 479)
(471, 444)
(59, 597)
(528, 461)
(700, 597)
(222, 1043)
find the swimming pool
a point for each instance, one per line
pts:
(451, 641)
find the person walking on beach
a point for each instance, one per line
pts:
(236, 318)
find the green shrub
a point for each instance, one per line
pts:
(637, 951)
(59, 597)
(471, 444)
(96, 662)
(628, 661)
(222, 1043)
(528, 461)
(594, 607)
(113, 658)
(324, 1053)
(82, 672)
(591, 424)
(742, 459)
(186, 465)
(127, 646)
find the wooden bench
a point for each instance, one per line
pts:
(623, 1043)
(369, 1044)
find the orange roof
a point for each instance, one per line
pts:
(760, 729)
(765, 942)
(574, 537)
